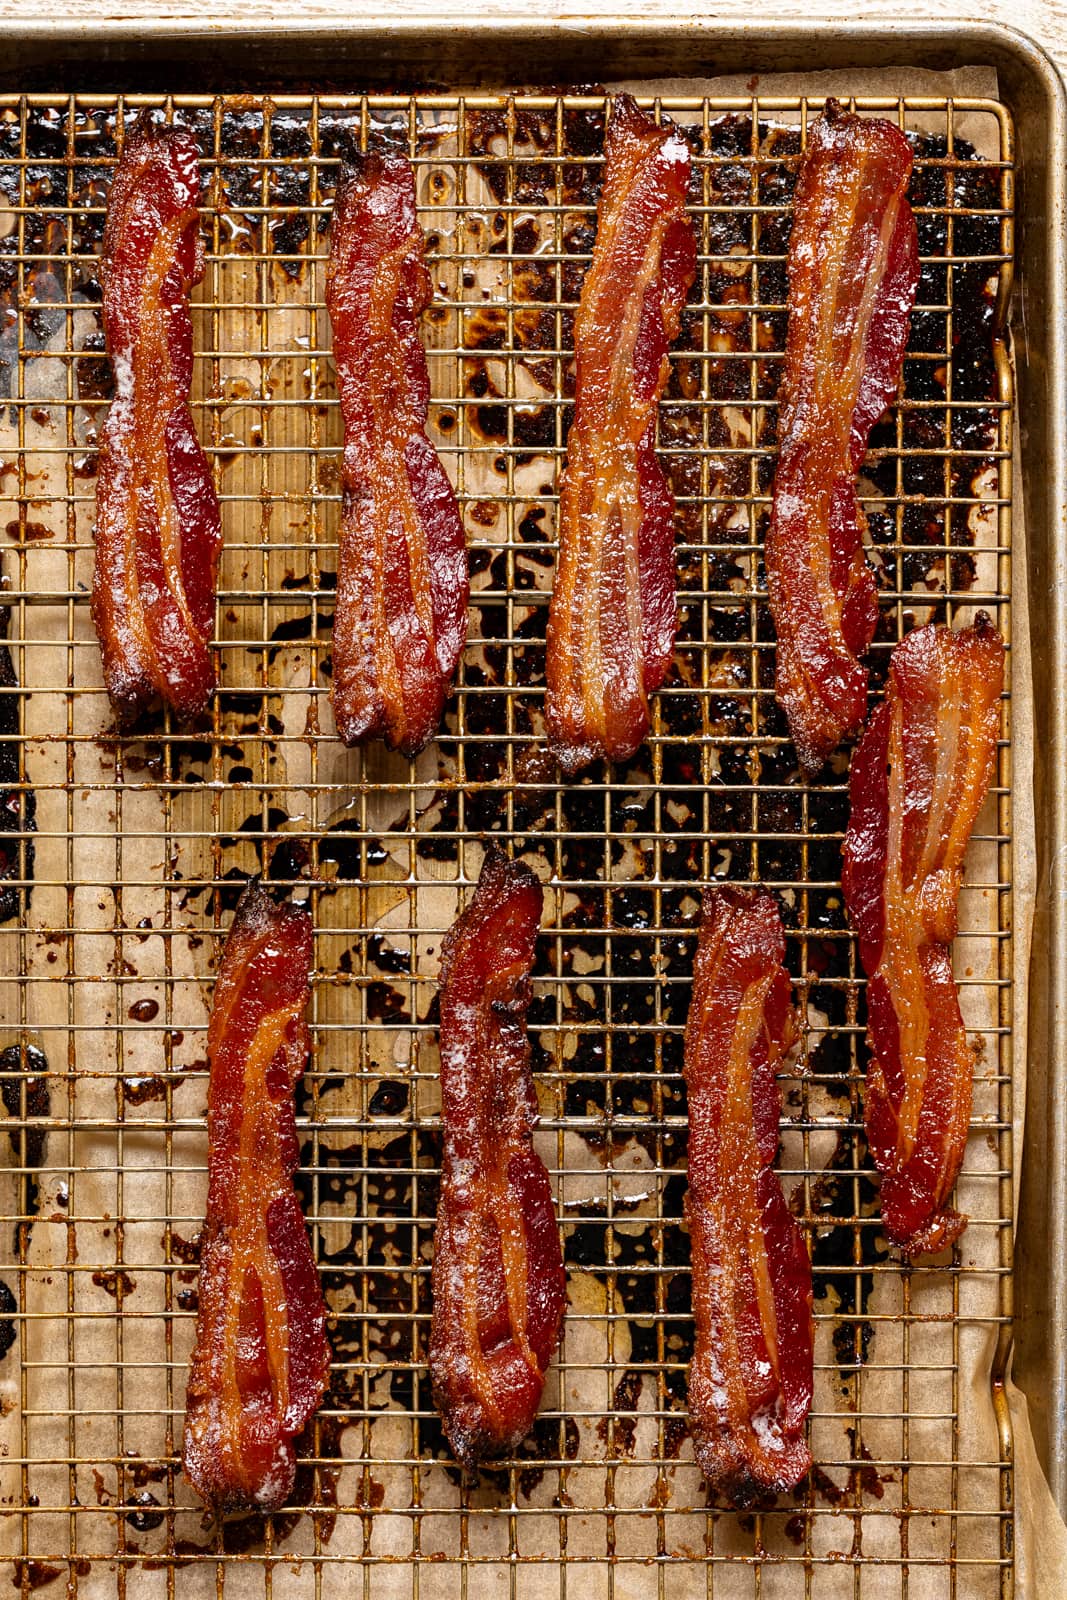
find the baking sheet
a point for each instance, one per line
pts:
(123, 1176)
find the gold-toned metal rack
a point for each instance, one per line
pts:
(125, 854)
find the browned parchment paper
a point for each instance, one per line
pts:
(127, 1179)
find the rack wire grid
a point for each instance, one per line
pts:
(124, 855)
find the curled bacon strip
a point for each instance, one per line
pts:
(498, 1280)
(853, 274)
(158, 533)
(750, 1382)
(614, 614)
(402, 586)
(918, 780)
(261, 1359)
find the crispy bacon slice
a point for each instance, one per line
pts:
(853, 273)
(613, 615)
(402, 586)
(261, 1359)
(498, 1280)
(918, 780)
(158, 533)
(750, 1382)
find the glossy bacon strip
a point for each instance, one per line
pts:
(157, 533)
(402, 586)
(750, 1382)
(853, 274)
(613, 615)
(918, 780)
(261, 1359)
(498, 1280)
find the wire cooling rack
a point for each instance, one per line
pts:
(123, 857)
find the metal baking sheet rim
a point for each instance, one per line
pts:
(508, 52)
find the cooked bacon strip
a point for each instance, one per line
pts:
(613, 615)
(261, 1359)
(918, 780)
(853, 273)
(498, 1280)
(402, 586)
(750, 1382)
(158, 533)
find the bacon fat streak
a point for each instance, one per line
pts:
(158, 533)
(402, 585)
(853, 274)
(918, 780)
(750, 1381)
(498, 1279)
(614, 614)
(261, 1359)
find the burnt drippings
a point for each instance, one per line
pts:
(345, 851)
(18, 804)
(139, 1091)
(292, 629)
(24, 1089)
(618, 1429)
(144, 1515)
(847, 1245)
(24, 1080)
(8, 1309)
(29, 1576)
(396, 1177)
(550, 1440)
(863, 1482)
(115, 1281)
(495, 135)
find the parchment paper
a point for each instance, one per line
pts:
(123, 1178)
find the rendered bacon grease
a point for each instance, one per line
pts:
(613, 615)
(400, 622)
(918, 780)
(750, 1381)
(853, 274)
(498, 1279)
(261, 1359)
(158, 533)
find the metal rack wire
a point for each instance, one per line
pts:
(125, 856)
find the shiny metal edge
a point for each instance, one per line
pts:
(507, 52)
(1035, 92)
(510, 52)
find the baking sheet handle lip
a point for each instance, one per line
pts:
(1048, 956)
(960, 36)
(970, 43)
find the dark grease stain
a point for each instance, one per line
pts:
(18, 805)
(187, 1250)
(144, 1517)
(24, 1089)
(139, 1091)
(29, 1576)
(837, 1275)
(389, 1099)
(25, 1093)
(114, 1281)
(618, 1430)
(8, 1310)
(385, 956)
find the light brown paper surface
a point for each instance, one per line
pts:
(123, 1179)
